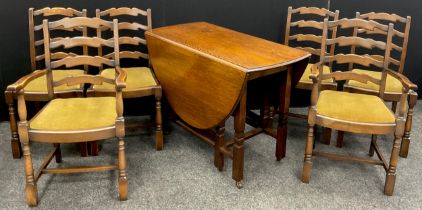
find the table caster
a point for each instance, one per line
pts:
(239, 184)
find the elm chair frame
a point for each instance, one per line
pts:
(395, 64)
(11, 95)
(135, 41)
(314, 118)
(50, 135)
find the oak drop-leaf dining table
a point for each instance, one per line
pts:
(206, 72)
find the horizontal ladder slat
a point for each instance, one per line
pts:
(365, 60)
(81, 41)
(307, 24)
(123, 11)
(357, 41)
(314, 11)
(383, 16)
(306, 37)
(82, 60)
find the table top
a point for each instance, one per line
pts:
(204, 69)
(248, 52)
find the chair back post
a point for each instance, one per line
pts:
(323, 51)
(31, 31)
(99, 35)
(47, 58)
(288, 22)
(85, 34)
(149, 22)
(119, 91)
(353, 47)
(405, 42)
(386, 59)
(149, 19)
(333, 35)
(116, 42)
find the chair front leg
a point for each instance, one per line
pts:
(307, 163)
(404, 150)
(123, 191)
(16, 146)
(31, 185)
(391, 172)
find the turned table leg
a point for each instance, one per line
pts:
(285, 92)
(159, 143)
(238, 148)
(219, 143)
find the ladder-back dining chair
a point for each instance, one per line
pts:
(393, 88)
(36, 90)
(141, 81)
(73, 119)
(311, 19)
(356, 112)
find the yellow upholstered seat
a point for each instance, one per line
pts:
(353, 107)
(137, 77)
(305, 76)
(76, 114)
(392, 85)
(40, 84)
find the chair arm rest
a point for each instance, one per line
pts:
(403, 79)
(314, 72)
(23, 81)
(121, 78)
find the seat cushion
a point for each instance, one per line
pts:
(353, 107)
(76, 114)
(137, 77)
(393, 85)
(40, 84)
(305, 76)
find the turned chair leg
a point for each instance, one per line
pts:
(372, 146)
(394, 106)
(16, 146)
(307, 163)
(159, 143)
(93, 148)
(391, 172)
(83, 148)
(58, 153)
(123, 191)
(340, 137)
(327, 135)
(31, 186)
(404, 150)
